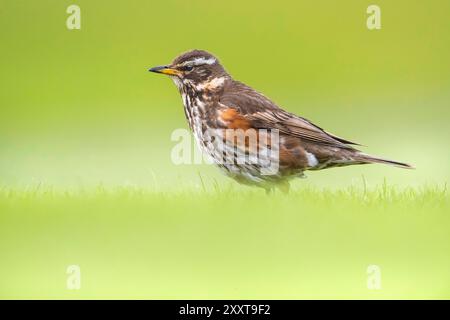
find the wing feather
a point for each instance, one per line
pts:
(264, 114)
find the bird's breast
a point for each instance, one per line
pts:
(195, 109)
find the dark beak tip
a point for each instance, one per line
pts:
(157, 69)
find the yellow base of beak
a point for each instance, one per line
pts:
(165, 70)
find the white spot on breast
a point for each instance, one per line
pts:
(211, 84)
(312, 160)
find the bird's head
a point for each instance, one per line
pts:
(195, 68)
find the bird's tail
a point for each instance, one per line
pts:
(365, 158)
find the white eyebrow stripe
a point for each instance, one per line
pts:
(199, 61)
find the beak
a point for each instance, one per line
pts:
(165, 70)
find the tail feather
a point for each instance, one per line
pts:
(372, 159)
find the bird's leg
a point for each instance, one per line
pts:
(269, 190)
(284, 187)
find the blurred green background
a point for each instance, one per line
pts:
(78, 109)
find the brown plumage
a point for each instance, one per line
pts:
(215, 102)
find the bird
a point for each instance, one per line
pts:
(215, 104)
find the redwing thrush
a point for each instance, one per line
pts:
(213, 100)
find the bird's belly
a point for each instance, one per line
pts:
(236, 162)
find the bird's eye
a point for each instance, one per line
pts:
(186, 68)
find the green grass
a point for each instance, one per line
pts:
(79, 108)
(216, 242)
